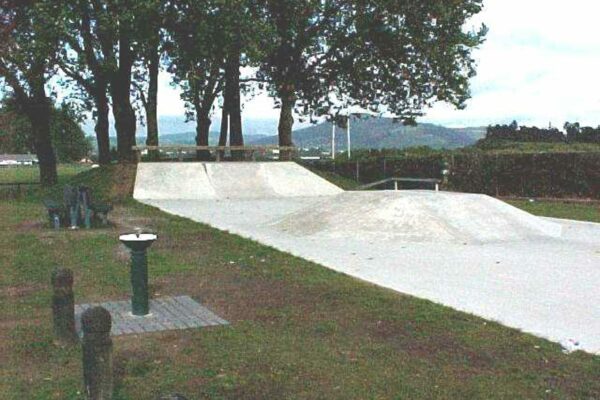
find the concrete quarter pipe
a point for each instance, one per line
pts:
(467, 251)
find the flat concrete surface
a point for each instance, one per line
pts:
(470, 252)
(167, 313)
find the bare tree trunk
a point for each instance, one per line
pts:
(102, 125)
(232, 89)
(224, 127)
(125, 123)
(202, 131)
(38, 112)
(286, 121)
(151, 104)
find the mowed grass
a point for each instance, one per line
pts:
(555, 209)
(298, 330)
(31, 174)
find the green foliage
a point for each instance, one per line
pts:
(522, 174)
(379, 54)
(68, 138)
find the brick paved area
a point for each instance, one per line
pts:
(167, 313)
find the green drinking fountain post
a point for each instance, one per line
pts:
(138, 243)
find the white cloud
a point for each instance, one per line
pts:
(538, 65)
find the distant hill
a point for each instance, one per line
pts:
(170, 125)
(376, 133)
(366, 133)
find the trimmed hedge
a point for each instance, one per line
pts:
(519, 174)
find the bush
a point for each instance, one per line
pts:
(567, 174)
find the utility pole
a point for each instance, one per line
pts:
(348, 134)
(333, 139)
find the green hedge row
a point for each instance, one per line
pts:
(519, 174)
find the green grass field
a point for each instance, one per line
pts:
(29, 174)
(567, 210)
(298, 330)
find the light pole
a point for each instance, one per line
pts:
(333, 139)
(348, 135)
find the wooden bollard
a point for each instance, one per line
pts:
(63, 307)
(97, 354)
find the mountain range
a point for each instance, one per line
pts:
(366, 132)
(377, 133)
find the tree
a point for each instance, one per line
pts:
(381, 55)
(29, 40)
(243, 32)
(150, 38)
(82, 60)
(69, 141)
(123, 15)
(196, 54)
(68, 137)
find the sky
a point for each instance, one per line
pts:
(540, 65)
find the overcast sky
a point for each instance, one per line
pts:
(540, 64)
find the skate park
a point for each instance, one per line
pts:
(470, 252)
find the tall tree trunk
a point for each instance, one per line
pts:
(102, 124)
(286, 121)
(39, 115)
(224, 127)
(202, 131)
(125, 123)
(232, 89)
(151, 103)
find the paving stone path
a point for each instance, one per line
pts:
(167, 313)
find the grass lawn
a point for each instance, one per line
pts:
(26, 174)
(298, 330)
(566, 210)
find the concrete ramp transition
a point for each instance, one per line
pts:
(468, 251)
(244, 180)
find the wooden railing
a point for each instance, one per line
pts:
(217, 150)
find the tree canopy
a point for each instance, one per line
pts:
(70, 143)
(315, 58)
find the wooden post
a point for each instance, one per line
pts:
(63, 307)
(97, 354)
(357, 172)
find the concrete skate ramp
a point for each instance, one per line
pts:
(243, 180)
(417, 216)
(470, 252)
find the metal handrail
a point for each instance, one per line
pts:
(435, 181)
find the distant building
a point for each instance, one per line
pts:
(17, 159)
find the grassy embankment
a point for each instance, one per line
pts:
(297, 330)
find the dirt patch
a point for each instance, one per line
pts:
(20, 291)
(30, 226)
